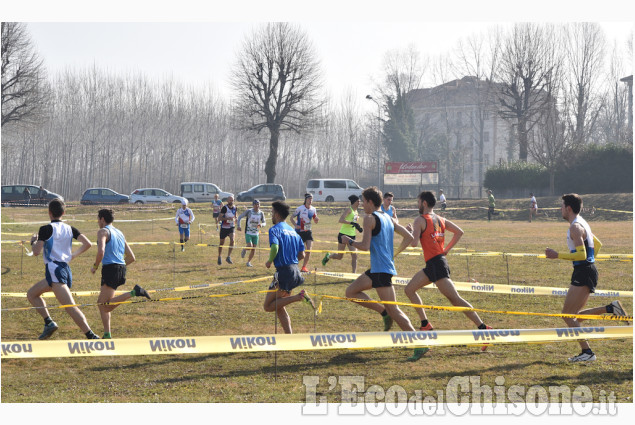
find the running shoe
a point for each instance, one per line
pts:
(220, 261)
(242, 254)
(249, 264)
(48, 330)
(229, 260)
(387, 322)
(419, 352)
(583, 357)
(307, 299)
(140, 292)
(427, 327)
(92, 335)
(326, 259)
(182, 248)
(106, 335)
(304, 270)
(483, 348)
(618, 310)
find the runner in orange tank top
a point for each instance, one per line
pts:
(431, 231)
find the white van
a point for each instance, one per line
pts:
(202, 192)
(330, 190)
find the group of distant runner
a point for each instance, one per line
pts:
(290, 245)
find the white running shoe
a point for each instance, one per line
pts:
(618, 310)
(249, 264)
(583, 357)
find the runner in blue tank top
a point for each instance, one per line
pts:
(378, 235)
(114, 253)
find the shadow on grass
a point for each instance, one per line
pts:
(591, 376)
(6, 270)
(495, 369)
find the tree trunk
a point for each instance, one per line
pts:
(270, 166)
(552, 179)
(522, 139)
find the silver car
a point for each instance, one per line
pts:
(153, 195)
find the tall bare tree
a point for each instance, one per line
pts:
(527, 63)
(277, 84)
(24, 89)
(584, 45)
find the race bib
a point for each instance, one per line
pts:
(184, 225)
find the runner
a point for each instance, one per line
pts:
(255, 220)
(429, 230)
(286, 249)
(442, 200)
(349, 225)
(54, 242)
(533, 206)
(184, 218)
(492, 205)
(227, 228)
(115, 254)
(305, 213)
(378, 237)
(388, 207)
(217, 204)
(583, 246)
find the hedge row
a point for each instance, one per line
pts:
(595, 169)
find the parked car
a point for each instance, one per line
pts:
(14, 194)
(153, 195)
(202, 192)
(263, 192)
(102, 195)
(330, 190)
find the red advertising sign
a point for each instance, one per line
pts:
(411, 167)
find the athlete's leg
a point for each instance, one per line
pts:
(446, 287)
(34, 295)
(339, 255)
(576, 299)
(356, 290)
(418, 281)
(307, 255)
(279, 299)
(353, 258)
(105, 295)
(387, 293)
(64, 296)
(231, 244)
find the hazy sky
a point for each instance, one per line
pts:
(351, 38)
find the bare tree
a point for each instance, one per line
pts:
(526, 64)
(584, 44)
(277, 83)
(24, 92)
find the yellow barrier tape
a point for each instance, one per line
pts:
(151, 291)
(617, 211)
(17, 234)
(301, 342)
(481, 310)
(495, 288)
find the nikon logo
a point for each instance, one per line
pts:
(411, 337)
(16, 349)
(615, 294)
(491, 335)
(566, 332)
(248, 342)
(171, 344)
(330, 340)
(89, 347)
(482, 288)
(523, 290)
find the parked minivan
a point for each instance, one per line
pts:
(202, 192)
(330, 190)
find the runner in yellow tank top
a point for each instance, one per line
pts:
(349, 225)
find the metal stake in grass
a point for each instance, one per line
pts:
(173, 263)
(275, 331)
(21, 257)
(314, 291)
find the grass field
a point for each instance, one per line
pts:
(249, 377)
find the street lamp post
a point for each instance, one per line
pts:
(369, 97)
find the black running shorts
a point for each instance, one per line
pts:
(113, 275)
(339, 237)
(226, 232)
(585, 275)
(287, 278)
(379, 280)
(306, 235)
(437, 268)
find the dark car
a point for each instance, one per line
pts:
(15, 194)
(262, 192)
(102, 195)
